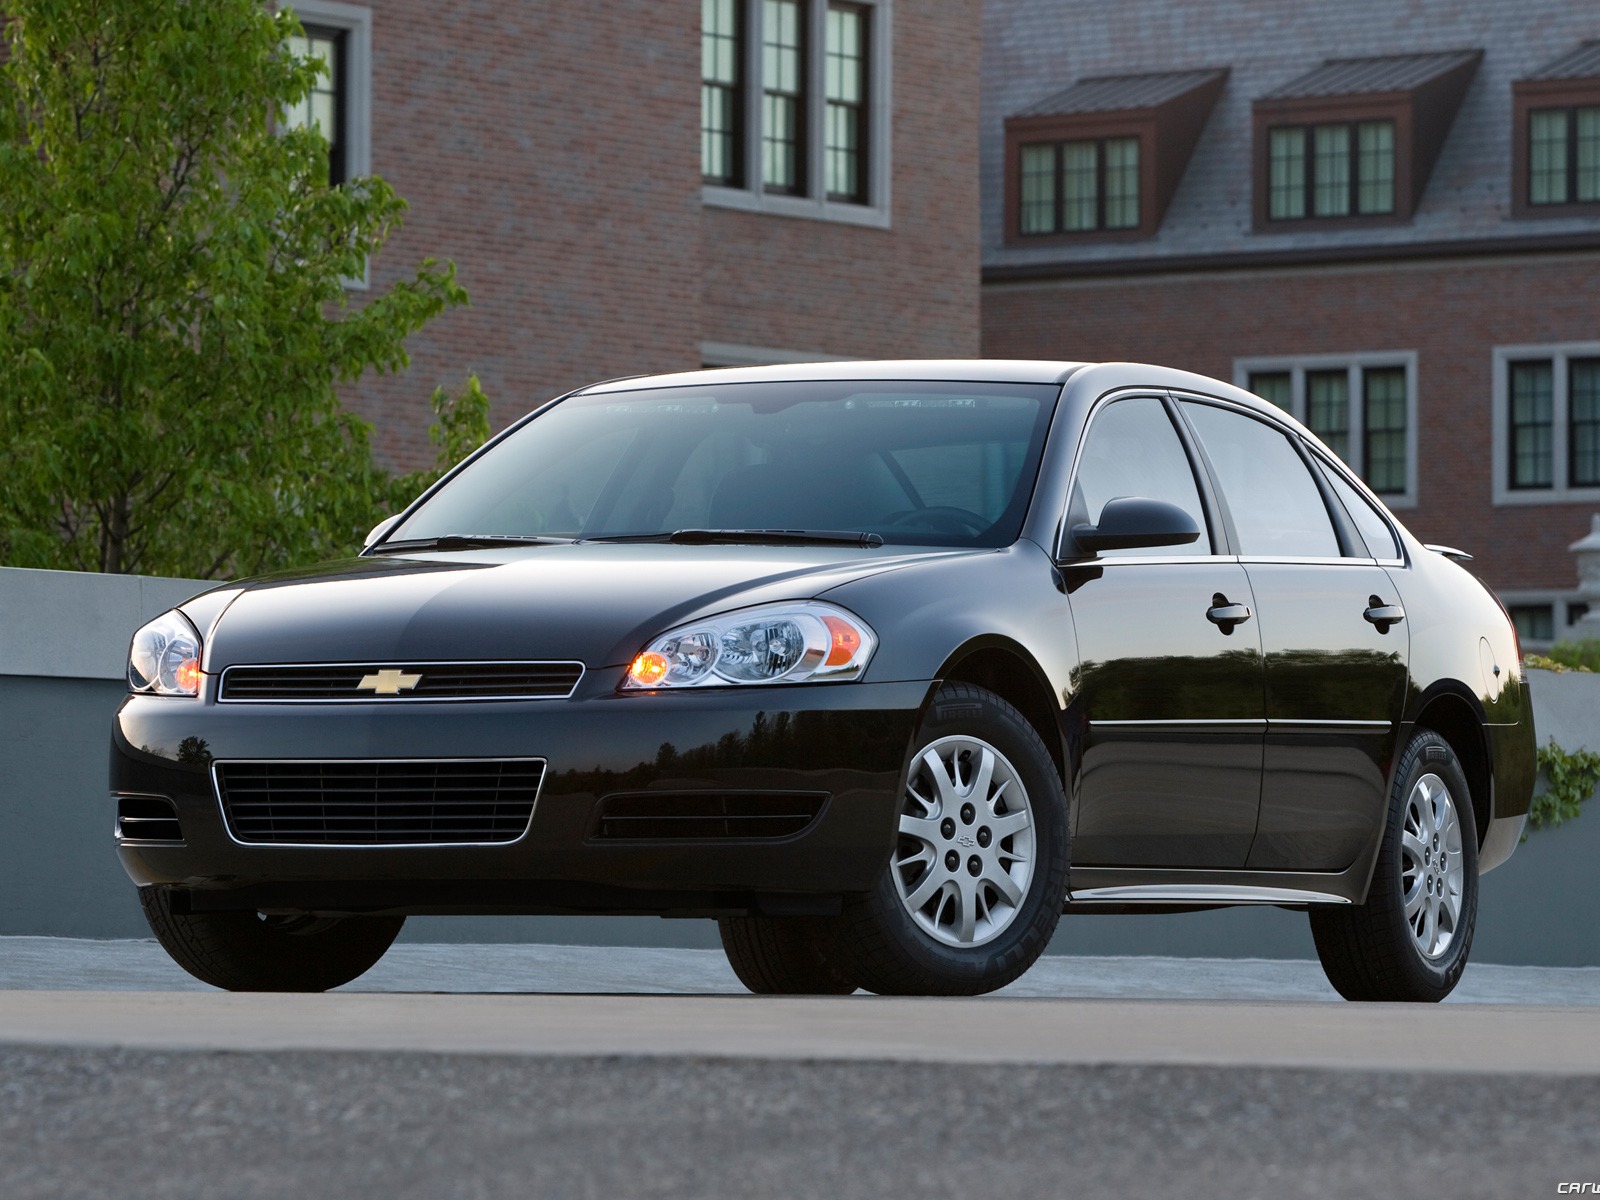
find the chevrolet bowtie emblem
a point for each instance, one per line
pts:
(389, 682)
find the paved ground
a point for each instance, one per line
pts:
(60, 964)
(553, 1072)
(95, 1124)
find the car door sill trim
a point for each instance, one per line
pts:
(1223, 893)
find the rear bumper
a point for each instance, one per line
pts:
(846, 740)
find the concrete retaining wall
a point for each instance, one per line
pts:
(63, 646)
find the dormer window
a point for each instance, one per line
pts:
(1080, 186)
(1556, 137)
(1354, 141)
(1103, 157)
(1331, 170)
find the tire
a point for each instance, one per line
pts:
(249, 952)
(931, 926)
(1379, 950)
(784, 956)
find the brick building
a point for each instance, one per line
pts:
(1383, 216)
(630, 186)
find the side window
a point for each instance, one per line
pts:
(1276, 505)
(1375, 531)
(1132, 449)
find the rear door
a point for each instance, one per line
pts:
(1171, 680)
(1333, 634)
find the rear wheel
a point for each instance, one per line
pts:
(257, 952)
(1410, 940)
(784, 956)
(973, 889)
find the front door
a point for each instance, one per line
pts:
(1170, 679)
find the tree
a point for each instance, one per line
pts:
(174, 320)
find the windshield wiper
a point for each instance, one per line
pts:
(469, 541)
(764, 537)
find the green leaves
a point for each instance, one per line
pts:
(173, 316)
(1570, 779)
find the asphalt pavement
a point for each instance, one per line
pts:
(479, 1071)
(61, 964)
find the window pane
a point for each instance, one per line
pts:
(1583, 386)
(1375, 532)
(845, 71)
(1274, 387)
(1122, 183)
(1330, 171)
(323, 108)
(1376, 168)
(783, 112)
(1287, 186)
(1547, 156)
(720, 107)
(1384, 421)
(1328, 409)
(1532, 425)
(1588, 166)
(1534, 622)
(1080, 185)
(1276, 506)
(1038, 213)
(1132, 449)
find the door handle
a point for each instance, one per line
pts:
(1383, 615)
(1225, 615)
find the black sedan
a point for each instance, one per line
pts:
(884, 666)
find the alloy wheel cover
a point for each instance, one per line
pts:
(966, 851)
(1432, 872)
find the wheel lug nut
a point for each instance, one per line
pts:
(968, 814)
(952, 860)
(985, 837)
(974, 866)
(947, 827)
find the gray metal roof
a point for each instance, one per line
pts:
(1582, 63)
(1118, 93)
(1033, 48)
(1364, 76)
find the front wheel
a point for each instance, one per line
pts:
(1409, 941)
(257, 952)
(973, 888)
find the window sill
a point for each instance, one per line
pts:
(804, 207)
(1517, 497)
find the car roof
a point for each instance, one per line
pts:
(951, 370)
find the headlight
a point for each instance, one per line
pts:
(799, 641)
(165, 657)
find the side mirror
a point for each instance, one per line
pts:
(1130, 522)
(381, 528)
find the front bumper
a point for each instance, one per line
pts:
(847, 740)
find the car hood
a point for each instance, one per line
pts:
(596, 603)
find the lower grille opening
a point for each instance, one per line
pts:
(379, 803)
(147, 819)
(706, 816)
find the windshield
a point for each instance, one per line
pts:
(946, 464)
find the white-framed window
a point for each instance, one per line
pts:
(1362, 405)
(340, 104)
(340, 36)
(795, 107)
(1547, 423)
(1543, 618)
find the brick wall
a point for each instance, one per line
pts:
(552, 152)
(906, 292)
(1452, 313)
